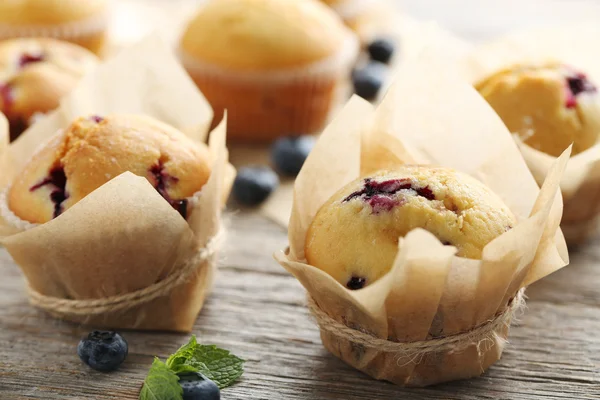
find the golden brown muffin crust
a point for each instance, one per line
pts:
(92, 151)
(354, 236)
(261, 35)
(49, 12)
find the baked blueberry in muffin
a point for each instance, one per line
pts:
(354, 236)
(35, 74)
(96, 149)
(548, 106)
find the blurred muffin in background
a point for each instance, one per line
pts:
(82, 22)
(275, 66)
(35, 74)
(362, 16)
(548, 106)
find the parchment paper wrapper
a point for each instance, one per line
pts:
(429, 116)
(103, 261)
(574, 46)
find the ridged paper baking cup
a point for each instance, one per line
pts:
(70, 30)
(264, 105)
(88, 33)
(9, 217)
(325, 69)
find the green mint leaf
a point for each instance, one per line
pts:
(161, 383)
(178, 360)
(217, 364)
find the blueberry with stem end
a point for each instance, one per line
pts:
(198, 387)
(254, 184)
(368, 80)
(289, 153)
(103, 350)
(381, 49)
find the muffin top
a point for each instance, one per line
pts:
(49, 12)
(92, 151)
(354, 236)
(263, 34)
(36, 73)
(548, 106)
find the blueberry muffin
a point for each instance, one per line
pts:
(92, 151)
(354, 236)
(548, 106)
(81, 22)
(275, 66)
(35, 74)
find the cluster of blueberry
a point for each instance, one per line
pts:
(368, 79)
(105, 351)
(254, 184)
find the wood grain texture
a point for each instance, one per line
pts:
(257, 311)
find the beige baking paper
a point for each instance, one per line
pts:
(429, 116)
(4, 159)
(573, 45)
(124, 237)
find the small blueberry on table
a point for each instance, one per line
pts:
(368, 80)
(289, 153)
(381, 49)
(103, 350)
(198, 387)
(254, 184)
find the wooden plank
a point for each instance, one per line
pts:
(257, 311)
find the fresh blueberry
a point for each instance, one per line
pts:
(381, 50)
(368, 80)
(288, 154)
(198, 387)
(103, 350)
(254, 184)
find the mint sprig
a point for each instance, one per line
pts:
(216, 364)
(161, 383)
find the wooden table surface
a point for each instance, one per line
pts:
(257, 311)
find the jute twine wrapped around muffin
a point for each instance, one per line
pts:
(433, 317)
(122, 257)
(572, 46)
